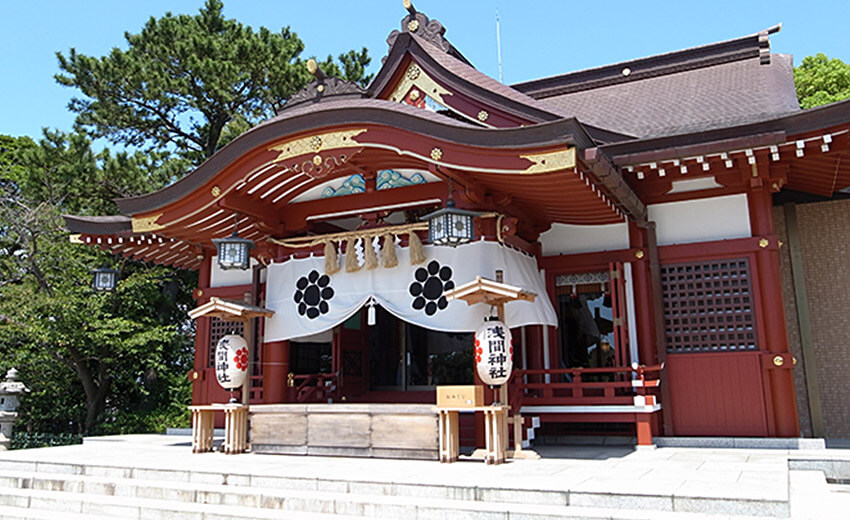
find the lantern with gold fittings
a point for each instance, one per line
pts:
(233, 252)
(104, 279)
(451, 226)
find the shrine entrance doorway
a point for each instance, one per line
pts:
(407, 362)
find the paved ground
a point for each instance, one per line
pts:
(733, 474)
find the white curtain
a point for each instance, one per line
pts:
(307, 301)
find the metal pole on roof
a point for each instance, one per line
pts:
(499, 45)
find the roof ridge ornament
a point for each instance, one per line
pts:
(323, 86)
(419, 24)
(764, 43)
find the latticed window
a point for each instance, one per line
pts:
(708, 306)
(218, 329)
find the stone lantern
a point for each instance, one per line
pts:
(10, 389)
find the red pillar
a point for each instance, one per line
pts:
(275, 370)
(202, 336)
(534, 346)
(779, 380)
(644, 318)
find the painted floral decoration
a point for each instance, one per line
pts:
(312, 293)
(241, 359)
(428, 287)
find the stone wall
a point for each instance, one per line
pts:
(824, 229)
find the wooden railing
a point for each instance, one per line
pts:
(313, 388)
(583, 386)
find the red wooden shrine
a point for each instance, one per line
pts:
(646, 206)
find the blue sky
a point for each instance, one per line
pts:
(539, 37)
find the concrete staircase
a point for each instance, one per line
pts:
(43, 490)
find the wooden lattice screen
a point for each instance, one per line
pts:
(708, 306)
(218, 329)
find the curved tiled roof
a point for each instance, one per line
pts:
(478, 79)
(728, 94)
(723, 84)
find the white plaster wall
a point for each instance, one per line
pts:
(571, 239)
(222, 278)
(701, 220)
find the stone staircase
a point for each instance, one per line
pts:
(47, 490)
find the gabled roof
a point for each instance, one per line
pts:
(491, 292)
(460, 78)
(723, 84)
(229, 310)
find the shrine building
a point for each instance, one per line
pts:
(679, 218)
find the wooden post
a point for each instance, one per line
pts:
(203, 428)
(235, 429)
(798, 274)
(275, 370)
(660, 333)
(200, 388)
(780, 394)
(643, 311)
(246, 386)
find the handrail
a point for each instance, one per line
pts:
(599, 370)
(591, 386)
(314, 388)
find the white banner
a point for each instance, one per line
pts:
(307, 301)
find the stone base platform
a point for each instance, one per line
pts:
(151, 477)
(393, 431)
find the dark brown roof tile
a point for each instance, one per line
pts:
(727, 94)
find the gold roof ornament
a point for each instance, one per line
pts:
(146, 224)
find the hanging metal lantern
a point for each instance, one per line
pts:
(494, 352)
(233, 252)
(451, 226)
(231, 361)
(104, 279)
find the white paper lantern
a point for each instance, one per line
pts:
(494, 353)
(231, 361)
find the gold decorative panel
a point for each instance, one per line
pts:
(314, 143)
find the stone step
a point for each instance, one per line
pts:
(127, 497)
(41, 504)
(25, 513)
(591, 498)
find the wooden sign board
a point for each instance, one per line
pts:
(469, 396)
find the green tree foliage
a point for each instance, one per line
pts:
(821, 80)
(183, 79)
(85, 353)
(184, 87)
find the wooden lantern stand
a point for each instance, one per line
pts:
(235, 414)
(495, 293)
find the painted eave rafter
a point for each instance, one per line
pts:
(810, 144)
(275, 171)
(146, 248)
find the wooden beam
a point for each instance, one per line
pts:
(609, 177)
(294, 216)
(265, 215)
(472, 190)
